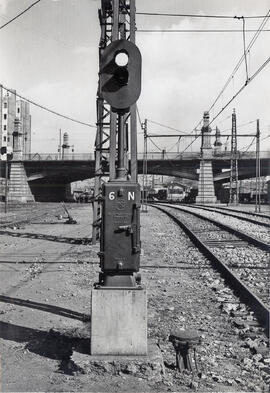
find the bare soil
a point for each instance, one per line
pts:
(47, 271)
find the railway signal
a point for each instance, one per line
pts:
(120, 75)
(120, 83)
(119, 302)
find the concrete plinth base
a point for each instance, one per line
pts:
(119, 322)
(150, 367)
(206, 192)
(19, 190)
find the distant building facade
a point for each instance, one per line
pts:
(12, 108)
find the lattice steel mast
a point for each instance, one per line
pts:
(234, 189)
(117, 21)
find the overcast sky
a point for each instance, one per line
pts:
(50, 55)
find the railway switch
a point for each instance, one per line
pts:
(120, 234)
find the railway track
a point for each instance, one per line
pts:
(231, 256)
(28, 214)
(247, 213)
(253, 234)
(260, 220)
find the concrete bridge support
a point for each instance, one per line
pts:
(19, 190)
(206, 191)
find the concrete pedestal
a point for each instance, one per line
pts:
(119, 322)
(150, 367)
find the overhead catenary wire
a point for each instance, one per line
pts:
(240, 125)
(242, 88)
(47, 109)
(252, 143)
(139, 117)
(155, 144)
(20, 14)
(199, 15)
(244, 43)
(231, 77)
(235, 95)
(166, 126)
(198, 30)
(253, 140)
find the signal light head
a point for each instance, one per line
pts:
(121, 58)
(120, 74)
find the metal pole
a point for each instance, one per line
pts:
(6, 184)
(144, 207)
(258, 170)
(121, 170)
(60, 142)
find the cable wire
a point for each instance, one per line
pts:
(20, 14)
(139, 117)
(47, 109)
(197, 30)
(155, 144)
(242, 88)
(199, 16)
(165, 126)
(251, 43)
(228, 103)
(240, 125)
(253, 141)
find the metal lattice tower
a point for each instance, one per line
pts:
(234, 188)
(117, 21)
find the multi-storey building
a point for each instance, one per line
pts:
(12, 108)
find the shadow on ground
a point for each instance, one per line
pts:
(64, 312)
(40, 236)
(53, 344)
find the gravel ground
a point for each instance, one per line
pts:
(37, 340)
(250, 263)
(263, 220)
(254, 230)
(249, 208)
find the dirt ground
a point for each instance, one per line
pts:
(45, 307)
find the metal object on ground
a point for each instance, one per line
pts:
(70, 219)
(184, 343)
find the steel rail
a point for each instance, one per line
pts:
(250, 239)
(260, 309)
(215, 209)
(239, 211)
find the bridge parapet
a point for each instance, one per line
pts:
(150, 156)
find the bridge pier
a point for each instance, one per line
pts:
(19, 190)
(206, 191)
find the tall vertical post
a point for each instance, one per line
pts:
(144, 206)
(6, 183)
(234, 188)
(118, 308)
(117, 20)
(258, 170)
(60, 144)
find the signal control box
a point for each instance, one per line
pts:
(120, 239)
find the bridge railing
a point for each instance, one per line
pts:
(150, 156)
(56, 157)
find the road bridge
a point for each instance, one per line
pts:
(49, 176)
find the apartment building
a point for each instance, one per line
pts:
(12, 108)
